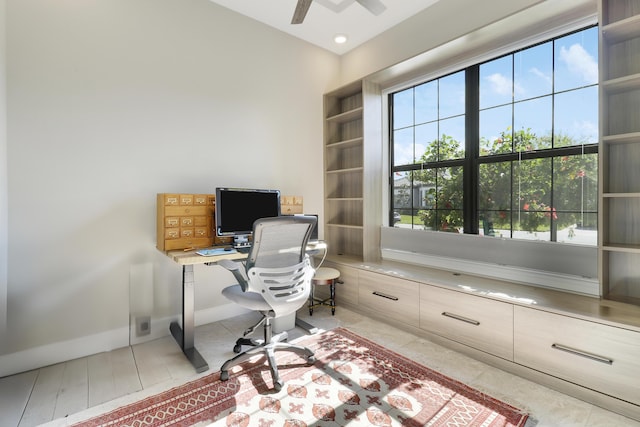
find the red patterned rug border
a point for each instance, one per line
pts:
(147, 409)
(460, 387)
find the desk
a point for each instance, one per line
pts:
(185, 335)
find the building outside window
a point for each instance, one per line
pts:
(505, 148)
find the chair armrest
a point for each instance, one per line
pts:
(238, 270)
(229, 264)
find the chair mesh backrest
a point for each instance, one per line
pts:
(280, 241)
(278, 267)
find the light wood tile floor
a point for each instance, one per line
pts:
(68, 392)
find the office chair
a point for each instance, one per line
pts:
(275, 280)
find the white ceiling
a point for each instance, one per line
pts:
(326, 18)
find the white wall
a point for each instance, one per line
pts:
(3, 174)
(113, 101)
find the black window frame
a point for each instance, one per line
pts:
(472, 159)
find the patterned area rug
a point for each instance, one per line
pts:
(354, 382)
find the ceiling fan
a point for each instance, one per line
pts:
(374, 6)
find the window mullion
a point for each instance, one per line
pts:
(472, 150)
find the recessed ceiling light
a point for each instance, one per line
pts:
(340, 38)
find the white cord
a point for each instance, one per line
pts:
(323, 256)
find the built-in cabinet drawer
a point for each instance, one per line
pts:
(597, 356)
(478, 322)
(391, 297)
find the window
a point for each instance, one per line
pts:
(505, 148)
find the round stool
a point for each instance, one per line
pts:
(324, 276)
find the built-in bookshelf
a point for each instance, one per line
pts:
(620, 150)
(352, 170)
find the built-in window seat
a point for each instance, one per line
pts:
(580, 345)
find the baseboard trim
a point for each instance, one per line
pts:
(50, 354)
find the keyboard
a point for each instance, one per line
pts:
(216, 251)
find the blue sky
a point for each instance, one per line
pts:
(527, 78)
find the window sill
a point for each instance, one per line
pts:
(544, 279)
(562, 267)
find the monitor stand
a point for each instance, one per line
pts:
(241, 241)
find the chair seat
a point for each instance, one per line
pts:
(250, 300)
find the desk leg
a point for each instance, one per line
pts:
(306, 326)
(185, 335)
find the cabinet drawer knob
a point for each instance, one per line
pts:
(581, 353)
(380, 294)
(461, 318)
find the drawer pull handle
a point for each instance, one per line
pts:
(462, 319)
(380, 294)
(591, 356)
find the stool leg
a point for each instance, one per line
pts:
(311, 300)
(332, 293)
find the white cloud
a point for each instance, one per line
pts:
(586, 131)
(536, 72)
(500, 84)
(503, 85)
(579, 62)
(403, 154)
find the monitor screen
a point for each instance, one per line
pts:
(238, 208)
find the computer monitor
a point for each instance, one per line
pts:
(238, 208)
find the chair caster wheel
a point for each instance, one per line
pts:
(311, 360)
(237, 348)
(224, 375)
(278, 385)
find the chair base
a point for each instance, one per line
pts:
(268, 347)
(246, 341)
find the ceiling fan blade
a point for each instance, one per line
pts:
(374, 6)
(301, 11)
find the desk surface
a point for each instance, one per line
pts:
(183, 257)
(192, 258)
